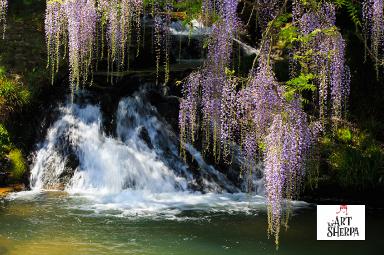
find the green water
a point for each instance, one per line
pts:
(51, 223)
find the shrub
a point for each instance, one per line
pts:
(356, 160)
(18, 164)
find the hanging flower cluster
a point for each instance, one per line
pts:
(205, 87)
(208, 8)
(77, 24)
(3, 13)
(324, 56)
(189, 112)
(82, 18)
(56, 28)
(261, 120)
(373, 16)
(257, 117)
(287, 147)
(259, 101)
(278, 130)
(266, 11)
(119, 17)
(162, 43)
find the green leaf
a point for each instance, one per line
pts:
(298, 85)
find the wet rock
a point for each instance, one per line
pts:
(167, 107)
(72, 161)
(5, 165)
(144, 136)
(71, 164)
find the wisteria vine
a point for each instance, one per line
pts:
(323, 55)
(3, 14)
(80, 25)
(373, 26)
(258, 116)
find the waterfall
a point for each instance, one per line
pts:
(138, 168)
(143, 155)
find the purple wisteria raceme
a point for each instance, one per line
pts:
(82, 20)
(207, 10)
(77, 24)
(373, 26)
(264, 98)
(212, 77)
(322, 18)
(256, 103)
(223, 32)
(55, 33)
(162, 37)
(277, 131)
(286, 149)
(327, 62)
(211, 92)
(190, 109)
(257, 116)
(158, 39)
(115, 27)
(339, 77)
(229, 118)
(119, 17)
(167, 9)
(267, 11)
(3, 14)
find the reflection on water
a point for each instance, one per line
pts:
(56, 223)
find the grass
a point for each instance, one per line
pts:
(13, 95)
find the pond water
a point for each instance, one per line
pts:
(58, 223)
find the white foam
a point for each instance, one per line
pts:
(193, 29)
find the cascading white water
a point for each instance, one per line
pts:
(139, 170)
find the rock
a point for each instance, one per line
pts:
(12, 188)
(167, 107)
(71, 163)
(4, 177)
(5, 164)
(144, 136)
